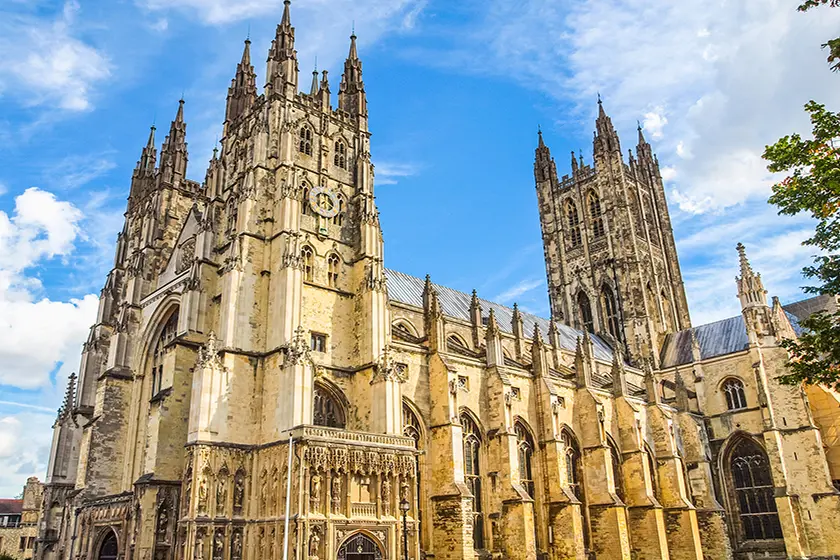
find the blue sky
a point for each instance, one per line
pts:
(456, 92)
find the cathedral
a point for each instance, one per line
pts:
(258, 386)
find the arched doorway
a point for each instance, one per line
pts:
(359, 547)
(108, 548)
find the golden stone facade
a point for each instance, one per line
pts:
(258, 387)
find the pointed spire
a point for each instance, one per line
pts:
(313, 89)
(619, 375)
(351, 96)
(475, 309)
(574, 163)
(751, 290)
(148, 157)
(69, 402)
(325, 82)
(492, 324)
(642, 140)
(540, 141)
(544, 168)
(243, 88)
(537, 338)
(282, 57)
(606, 138)
(173, 153)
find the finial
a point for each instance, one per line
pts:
(353, 29)
(599, 98)
(638, 125)
(248, 36)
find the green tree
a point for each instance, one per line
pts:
(833, 44)
(812, 186)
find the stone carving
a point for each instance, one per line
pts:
(236, 545)
(388, 370)
(202, 495)
(186, 256)
(221, 493)
(314, 543)
(208, 355)
(315, 492)
(405, 490)
(163, 523)
(336, 493)
(385, 493)
(219, 544)
(199, 545)
(297, 350)
(238, 492)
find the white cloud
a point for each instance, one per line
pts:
(654, 122)
(520, 288)
(25, 440)
(38, 334)
(390, 173)
(43, 62)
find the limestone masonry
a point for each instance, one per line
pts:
(258, 386)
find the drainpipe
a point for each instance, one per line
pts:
(288, 500)
(73, 538)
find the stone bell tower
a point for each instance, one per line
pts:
(611, 259)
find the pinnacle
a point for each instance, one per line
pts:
(287, 18)
(746, 269)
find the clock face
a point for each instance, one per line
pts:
(323, 201)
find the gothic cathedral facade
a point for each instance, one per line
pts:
(258, 386)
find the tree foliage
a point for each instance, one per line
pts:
(833, 44)
(812, 186)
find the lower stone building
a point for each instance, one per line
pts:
(19, 522)
(258, 386)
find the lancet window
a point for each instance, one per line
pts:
(472, 474)
(573, 222)
(752, 486)
(572, 457)
(525, 446)
(338, 219)
(305, 140)
(595, 214)
(340, 155)
(333, 264)
(733, 390)
(618, 479)
(327, 410)
(167, 335)
(611, 313)
(307, 257)
(585, 312)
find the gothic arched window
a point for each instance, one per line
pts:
(339, 218)
(333, 264)
(109, 548)
(327, 410)
(573, 222)
(307, 210)
(668, 311)
(651, 462)
(305, 140)
(413, 429)
(340, 156)
(307, 257)
(572, 459)
(618, 479)
(595, 214)
(167, 335)
(733, 390)
(525, 446)
(232, 215)
(472, 474)
(585, 312)
(611, 313)
(752, 485)
(651, 218)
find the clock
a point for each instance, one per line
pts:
(323, 201)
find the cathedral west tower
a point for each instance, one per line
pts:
(610, 255)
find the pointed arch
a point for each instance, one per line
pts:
(617, 460)
(330, 406)
(360, 545)
(404, 326)
(750, 489)
(472, 440)
(584, 307)
(413, 426)
(595, 214)
(573, 224)
(455, 340)
(610, 311)
(307, 259)
(108, 545)
(304, 203)
(305, 139)
(733, 391)
(572, 459)
(166, 333)
(525, 451)
(338, 219)
(650, 457)
(340, 154)
(333, 269)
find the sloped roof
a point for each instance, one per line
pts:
(409, 290)
(11, 507)
(715, 339)
(807, 307)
